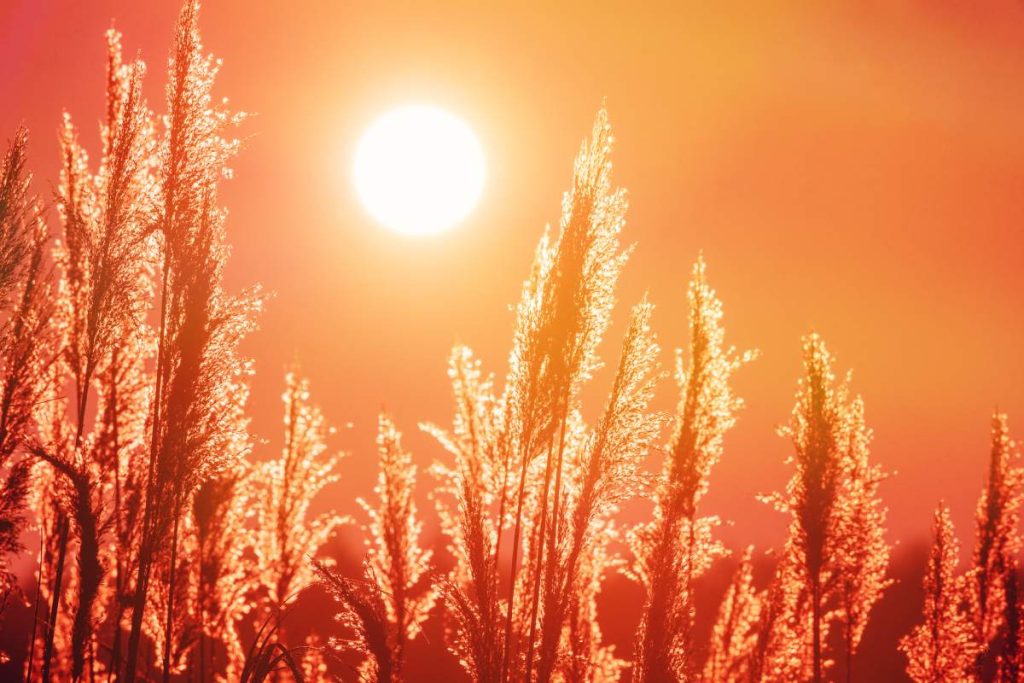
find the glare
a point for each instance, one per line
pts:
(419, 170)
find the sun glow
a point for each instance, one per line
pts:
(419, 170)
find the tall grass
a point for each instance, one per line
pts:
(998, 541)
(676, 546)
(285, 533)
(219, 511)
(25, 349)
(735, 632)
(388, 608)
(170, 549)
(197, 425)
(944, 647)
(101, 291)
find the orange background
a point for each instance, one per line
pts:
(856, 170)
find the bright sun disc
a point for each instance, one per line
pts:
(419, 170)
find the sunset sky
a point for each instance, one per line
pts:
(858, 172)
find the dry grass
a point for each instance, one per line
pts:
(676, 547)
(169, 550)
(943, 648)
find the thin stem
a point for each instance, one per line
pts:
(548, 574)
(816, 626)
(691, 544)
(35, 609)
(55, 603)
(170, 601)
(538, 564)
(512, 574)
(142, 582)
(119, 578)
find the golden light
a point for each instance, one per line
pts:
(419, 170)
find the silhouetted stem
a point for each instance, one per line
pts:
(35, 609)
(541, 542)
(539, 545)
(816, 626)
(145, 551)
(51, 627)
(506, 660)
(170, 601)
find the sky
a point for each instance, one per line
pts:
(852, 169)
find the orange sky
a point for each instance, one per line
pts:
(853, 171)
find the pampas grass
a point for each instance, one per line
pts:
(286, 534)
(944, 647)
(198, 428)
(675, 547)
(25, 351)
(387, 608)
(171, 547)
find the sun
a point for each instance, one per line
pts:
(419, 170)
